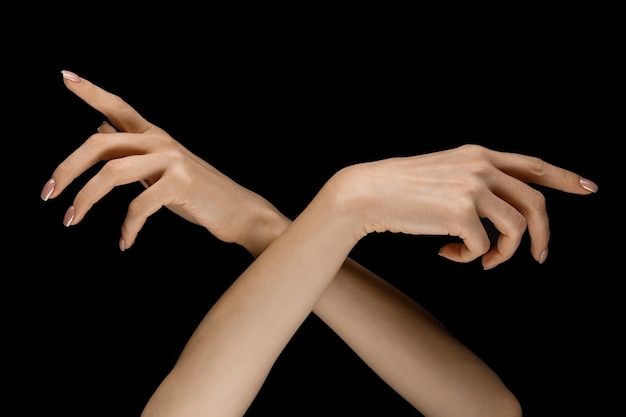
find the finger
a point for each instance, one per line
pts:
(105, 127)
(475, 241)
(534, 170)
(99, 147)
(531, 205)
(121, 114)
(114, 173)
(143, 206)
(510, 224)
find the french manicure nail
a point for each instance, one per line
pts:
(103, 124)
(588, 185)
(488, 267)
(69, 216)
(47, 190)
(69, 75)
(543, 256)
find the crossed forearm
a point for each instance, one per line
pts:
(229, 356)
(305, 268)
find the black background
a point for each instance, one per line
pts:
(279, 106)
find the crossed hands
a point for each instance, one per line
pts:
(440, 193)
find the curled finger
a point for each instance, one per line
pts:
(510, 225)
(530, 205)
(143, 206)
(106, 127)
(475, 241)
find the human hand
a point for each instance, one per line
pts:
(136, 150)
(448, 192)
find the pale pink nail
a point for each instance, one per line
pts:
(69, 216)
(103, 124)
(69, 75)
(122, 244)
(588, 185)
(47, 190)
(543, 256)
(488, 267)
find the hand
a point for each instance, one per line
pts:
(136, 150)
(448, 192)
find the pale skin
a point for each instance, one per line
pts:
(302, 266)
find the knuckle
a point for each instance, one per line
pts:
(474, 149)
(113, 168)
(483, 246)
(117, 104)
(537, 165)
(94, 143)
(537, 201)
(520, 223)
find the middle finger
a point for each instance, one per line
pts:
(114, 173)
(99, 147)
(531, 204)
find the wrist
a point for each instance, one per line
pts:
(262, 228)
(344, 194)
(348, 197)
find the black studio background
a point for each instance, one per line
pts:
(90, 328)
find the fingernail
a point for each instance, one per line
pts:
(543, 256)
(47, 190)
(103, 124)
(588, 185)
(69, 75)
(122, 244)
(69, 216)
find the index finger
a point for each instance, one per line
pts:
(121, 115)
(531, 169)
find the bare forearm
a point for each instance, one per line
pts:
(227, 359)
(401, 341)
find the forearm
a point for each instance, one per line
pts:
(403, 343)
(228, 357)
